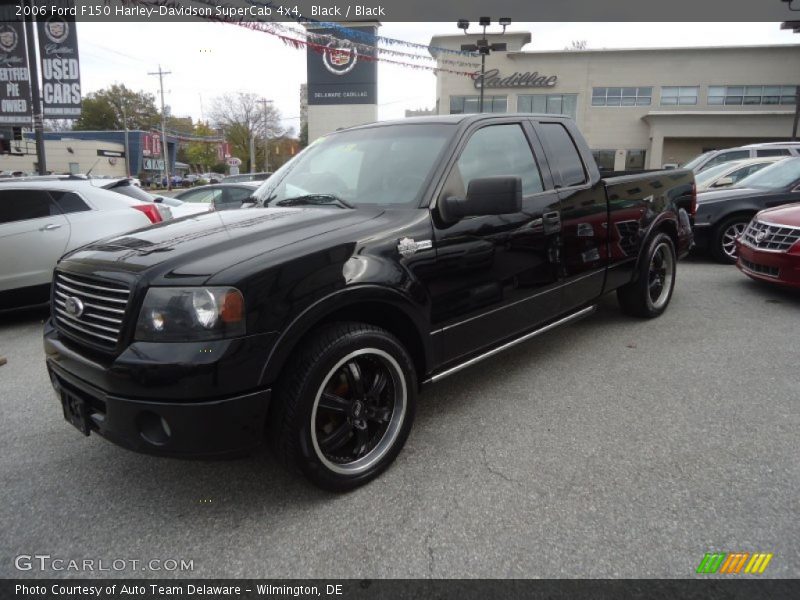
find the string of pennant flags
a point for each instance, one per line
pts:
(366, 37)
(367, 46)
(318, 42)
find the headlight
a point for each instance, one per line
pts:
(191, 313)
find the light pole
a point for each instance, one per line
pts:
(125, 124)
(794, 26)
(483, 46)
(161, 74)
(264, 103)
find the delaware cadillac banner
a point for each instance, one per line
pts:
(339, 70)
(61, 74)
(15, 86)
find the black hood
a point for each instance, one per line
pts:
(199, 246)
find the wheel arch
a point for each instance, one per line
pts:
(371, 304)
(666, 223)
(748, 212)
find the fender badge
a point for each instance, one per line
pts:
(408, 247)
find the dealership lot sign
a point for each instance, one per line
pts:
(15, 87)
(61, 73)
(495, 80)
(339, 71)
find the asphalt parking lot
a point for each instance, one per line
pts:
(611, 448)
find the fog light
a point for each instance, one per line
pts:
(153, 428)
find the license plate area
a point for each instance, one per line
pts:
(75, 411)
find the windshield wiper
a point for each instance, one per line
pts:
(315, 200)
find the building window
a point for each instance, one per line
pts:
(674, 96)
(548, 104)
(737, 95)
(604, 159)
(471, 104)
(622, 96)
(634, 160)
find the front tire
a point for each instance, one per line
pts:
(723, 247)
(346, 406)
(650, 293)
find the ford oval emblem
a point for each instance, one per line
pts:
(73, 306)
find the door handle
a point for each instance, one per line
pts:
(50, 227)
(552, 218)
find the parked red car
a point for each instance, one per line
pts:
(769, 249)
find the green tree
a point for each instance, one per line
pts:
(103, 110)
(202, 153)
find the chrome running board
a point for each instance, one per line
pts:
(563, 321)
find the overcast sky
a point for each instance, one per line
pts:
(208, 59)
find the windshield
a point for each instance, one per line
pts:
(697, 160)
(710, 174)
(774, 177)
(378, 165)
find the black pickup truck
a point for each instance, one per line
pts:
(380, 259)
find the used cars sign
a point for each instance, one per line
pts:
(61, 74)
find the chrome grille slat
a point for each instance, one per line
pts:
(94, 287)
(117, 311)
(87, 323)
(88, 295)
(63, 305)
(92, 333)
(101, 321)
(777, 238)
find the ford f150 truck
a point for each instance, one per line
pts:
(380, 259)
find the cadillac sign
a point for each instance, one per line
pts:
(495, 80)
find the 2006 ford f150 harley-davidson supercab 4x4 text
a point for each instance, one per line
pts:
(381, 258)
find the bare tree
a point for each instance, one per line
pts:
(58, 124)
(577, 45)
(241, 117)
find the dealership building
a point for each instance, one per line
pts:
(638, 108)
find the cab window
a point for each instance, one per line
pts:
(496, 151)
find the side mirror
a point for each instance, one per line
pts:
(487, 196)
(723, 182)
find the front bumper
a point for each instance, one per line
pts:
(775, 267)
(187, 407)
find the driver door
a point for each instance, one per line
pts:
(497, 275)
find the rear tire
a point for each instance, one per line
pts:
(650, 293)
(723, 246)
(345, 407)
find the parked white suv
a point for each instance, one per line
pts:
(42, 220)
(717, 157)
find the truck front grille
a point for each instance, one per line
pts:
(89, 310)
(765, 236)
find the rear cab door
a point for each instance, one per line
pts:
(582, 211)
